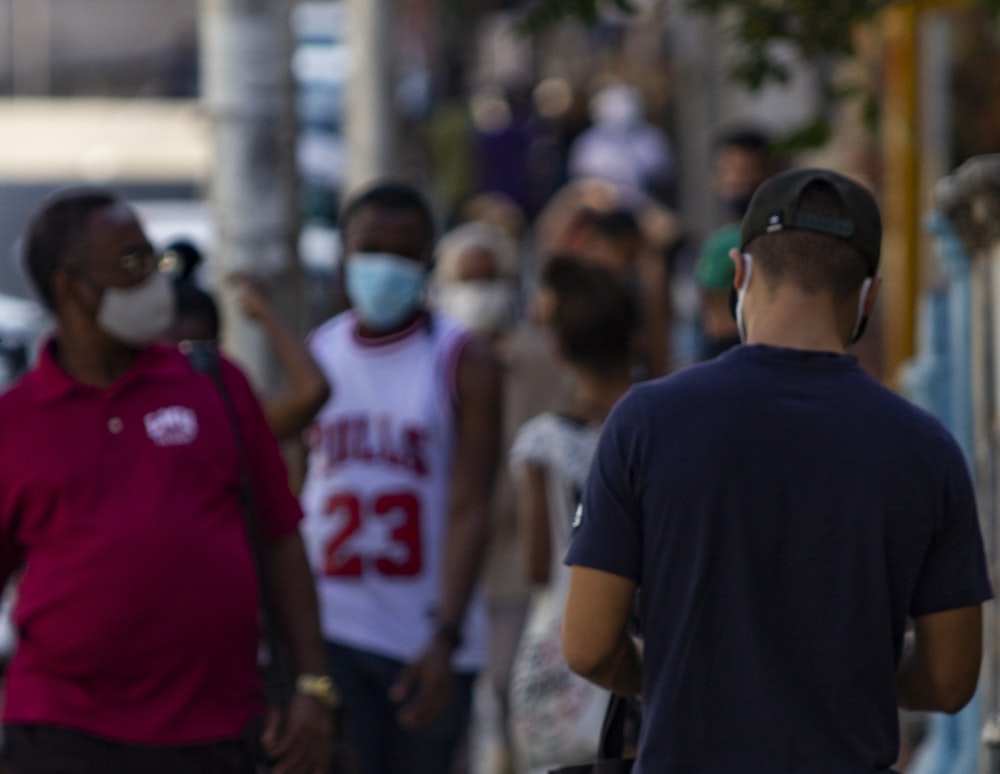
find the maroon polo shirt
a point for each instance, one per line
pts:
(136, 612)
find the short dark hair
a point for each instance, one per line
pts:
(617, 224)
(389, 195)
(746, 138)
(55, 229)
(596, 313)
(813, 261)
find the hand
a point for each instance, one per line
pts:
(250, 296)
(426, 686)
(303, 743)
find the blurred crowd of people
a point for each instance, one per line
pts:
(448, 420)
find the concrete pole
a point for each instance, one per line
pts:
(371, 122)
(7, 47)
(698, 90)
(247, 93)
(31, 47)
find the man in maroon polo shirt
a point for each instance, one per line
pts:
(120, 498)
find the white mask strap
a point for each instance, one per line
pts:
(861, 320)
(741, 294)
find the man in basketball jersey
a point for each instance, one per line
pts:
(401, 464)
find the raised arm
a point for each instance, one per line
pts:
(941, 659)
(290, 411)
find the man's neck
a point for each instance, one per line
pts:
(795, 320)
(367, 333)
(97, 362)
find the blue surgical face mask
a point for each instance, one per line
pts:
(384, 288)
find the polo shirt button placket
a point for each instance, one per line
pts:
(115, 425)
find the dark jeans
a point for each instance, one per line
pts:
(381, 746)
(39, 749)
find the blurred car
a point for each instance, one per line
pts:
(24, 323)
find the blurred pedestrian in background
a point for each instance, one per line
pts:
(398, 491)
(629, 233)
(477, 282)
(623, 148)
(556, 716)
(137, 615)
(743, 160)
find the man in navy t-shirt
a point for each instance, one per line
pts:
(784, 516)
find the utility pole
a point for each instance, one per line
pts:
(371, 122)
(248, 95)
(901, 203)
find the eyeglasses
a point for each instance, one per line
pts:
(139, 263)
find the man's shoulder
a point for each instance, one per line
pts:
(911, 425)
(694, 379)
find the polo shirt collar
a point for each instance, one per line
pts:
(50, 381)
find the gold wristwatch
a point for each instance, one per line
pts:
(318, 687)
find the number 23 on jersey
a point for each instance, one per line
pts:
(379, 535)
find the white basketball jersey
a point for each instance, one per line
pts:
(376, 495)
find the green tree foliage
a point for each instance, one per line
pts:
(540, 14)
(764, 33)
(810, 28)
(821, 32)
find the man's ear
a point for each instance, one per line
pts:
(62, 290)
(739, 275)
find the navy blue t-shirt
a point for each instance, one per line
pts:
(783, 514)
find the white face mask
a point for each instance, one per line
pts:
(483, 306)
(741, 295)
(140, 314)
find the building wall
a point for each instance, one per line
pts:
(97, 47)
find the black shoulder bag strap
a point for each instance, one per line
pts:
(277, 677)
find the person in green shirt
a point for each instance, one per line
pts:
(743, 160)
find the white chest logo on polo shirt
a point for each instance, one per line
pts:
(171, 426)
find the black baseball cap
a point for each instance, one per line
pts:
(775, 207)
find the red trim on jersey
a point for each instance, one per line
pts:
(368, 339)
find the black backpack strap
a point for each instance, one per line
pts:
(278, 680)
